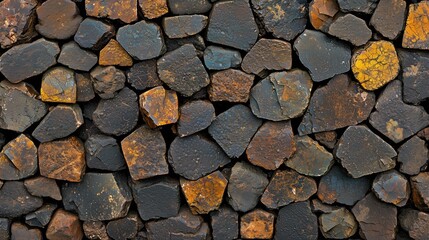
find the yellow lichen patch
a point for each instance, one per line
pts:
(257, 224)
(375, 65)
(153, 8)
(113, 54)
(59, 85)
(159, 106)
(416, 34)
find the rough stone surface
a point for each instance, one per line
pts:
(219, 58)
(327, 139)
(43, 187)
(341, 26)
(419, 186)
(114, 54)
(391, 12)
(153, 8)
(194, 117)
(124, 228)
(84, 88)
(4, 228)
(224, 223)
(361, 6)
(257, 224)
(197, 40)
(416, 33)
(412, 156)
(143, 75)
(414, 222)
(159, 106)
(338, 224)
(58, 85)
(392, 187)
(95, 230)
(93, 34)
(124, 10)
(103, 152)
(321, 13)
(230, 85)
(107, 81)
(16, 200)
(181, 7)
(21, 231)
(184, 26)
(64, 225)
(42, 216)
(76, 58)
(296, 221)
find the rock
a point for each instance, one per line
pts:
(361, 6)
(230, 85)
(419, 186)
(224, 223)
(184, 26)
(17, 21)
(296, 221)
(282, 95)
(195, 156)
(389, 18)
(322, 55)
(377, 220)
(195, 116)
(414, 222)
(342, 25)
(41, 217)
(143, 75)
(257, 224)
(28, 60)
(84, 89)
(284, 19)
(89, 198)
(392, 187)
(159, 106)
(16, 200)
(187, 79)
(378, 153)
(124, 10)
(60, 122)
(335, 187)
(64, 225)
(107, 81)
(95, 230)
(157, 197)
(414, 75)
(21, 231)
(246, 185)
(114, 54)
(395, 119)
(58, 19)
(287, 187)
(196, 40)
(232, 24)
(219, 58)
(338, 224)
(153, 8)
(226, 129)
(416, 31)
(412, 156)
(93, 34)
(43, 187)
(181, 7)
(4, 228)
(321, 13)
(424, 133)
(271, 145)
(124, 228)
(144, 151)
(20, 107)
(76, 58)
(327, 139)
(58, 85)
(318, 207)
(103, 152)
(119, 115)
(62, 159)
(18, 159)
(142, 40)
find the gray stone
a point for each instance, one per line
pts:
(219, 58)
(184, 26)
(76, 58)
(93, 34)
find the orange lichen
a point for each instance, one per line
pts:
(125, 10)
(416, 34)
(257, 224)
(322, 12)
(113, 54)
(153, 8)
(59, 85)
(159, 107)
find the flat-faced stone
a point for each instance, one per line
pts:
(296, 221)
(282, 95)
(416, 33)
(272, 144)
(28, 60)
(257, 224)
(76, 58)
(21, 231)
(322, 55)
(17, 19)
(104, 153)
(107, 81)
(43, 187)
(340, 103)
(342, 25)
(194, 156)
(114, 54)
(392, 187)
(224, 223)
(93, 34)
(228, 132)
(187, 79)
(124, 228)
(184, 26)
(378, 153)
(196, 40)
(321, 13)
(287, 187)
(419, 186)
(412, 156)
(335, 187)
(60, 122)
(62, 159)
(58, 85)
(159, 106)
(415, 223)
(142, 40)
(268, 54)
(318, 207)
(41, 217)
(119, 115)
(64, 226)
(232, 24)
(124, 10)
(361, 6)
(98, 197)
(95, 230)
(143, 75)
(84, 88)
(389, 18)
(4, 228)
(395, 119)
(377, 220)
(58, 19)
(220, 58)
(18, 159)
(246, 185)
(16, 200)
(182, 7)
(327, 139)
(338, 224)
(153, 8)
(157, 197)
(195, 116)
(230, 85)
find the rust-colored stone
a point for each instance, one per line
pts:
(392, 187)
(95, 230)
(205, 194)
(159, 106)
(416, 33)
(21, 231)
(59, 85)
(322, 12)
(153, 8)
(327, 139)
(64, 226)
(124, 10)
(114, 54)
(420, 193)
(62, 159)
(230, 85)
(257, 224)
(43, 187)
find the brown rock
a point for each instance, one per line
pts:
(415, 223)
(389, 17)
(124, 10)
(58, 85)
(64, 226)
(95, 230)
(420, 193)
(392, 187)
(184, 26)
(257, 224)
(205, 194)
(143, 75)
(413, 156)
(338, 224)
(153, 8)
(159, 106)
(43, 187)
(230, 85)
(327, 139)
(416, 33)
(424, 134)
(114, 54)
(84, 89)
(322, 12)
(107, 81)
(62, 159)
(20, 231)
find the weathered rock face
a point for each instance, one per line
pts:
(392, 187)
(361, 6)
(16, 200)
(420, 196)
(219, 58)
(114, 54)
(415, 33)
(153, 8)
(103, 152)
(125, 10)
(257, 224)
(341, 26)
(77, 58)
(159, 106)
(224, 223)
(296, 221)
(414, 223)
(93, 34)
(64, 225)
(43, 187)
(338, 224)
(392, 12)
(412, 156)
(194, 117)
(322, 12)
(230, 85)
(184, 26)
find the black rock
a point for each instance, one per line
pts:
(84, 89)
(196, 40)
(107, 81)
(342, 25)
(124, 228)
(389, 18)
(413, 156)
(296, 221)
(194, 117)
(4, 228)
(184, 26)
(77, 58)
(183, 7)
(16, 200)
(363, 6)
(143, 75)
(224, 223)
(41, 217)
(93, 34)
(104, 153)
(219, 58)
(43, 187)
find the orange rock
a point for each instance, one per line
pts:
(322, 13)
(124, 10)
(205, 194)
(416, 34)
(230, 85)
(153, 8)
(159, 107)
(114, 54)
(64, 226)
(257, 224)
(59, 85)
